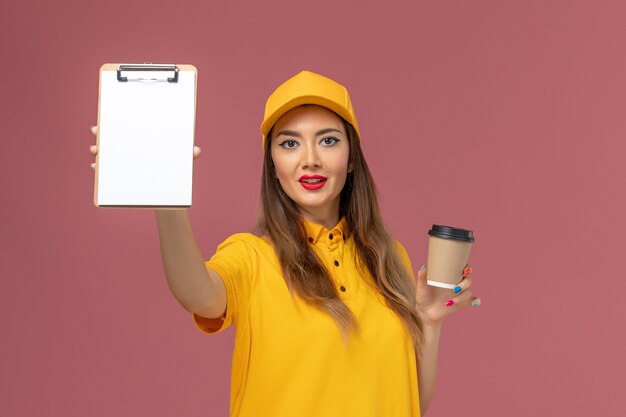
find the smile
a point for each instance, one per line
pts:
(312, 182)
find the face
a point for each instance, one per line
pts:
(311, 152)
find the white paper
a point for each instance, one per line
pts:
(146, 138)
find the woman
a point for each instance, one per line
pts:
(329, 318)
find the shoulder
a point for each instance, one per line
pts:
(404, 255)
(243, 238)
(245, 242)
(399, 247)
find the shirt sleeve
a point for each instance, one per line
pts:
(234, 262)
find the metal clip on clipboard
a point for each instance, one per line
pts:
(140, 69)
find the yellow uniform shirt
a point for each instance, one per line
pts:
(289, 358)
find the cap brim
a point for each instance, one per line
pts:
(298, 101)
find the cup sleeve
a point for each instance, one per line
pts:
(233, 262)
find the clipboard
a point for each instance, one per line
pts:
(145, 138)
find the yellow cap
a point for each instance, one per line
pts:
(307, 87)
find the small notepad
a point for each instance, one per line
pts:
(146, 123)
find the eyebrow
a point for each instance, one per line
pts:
(297, 134)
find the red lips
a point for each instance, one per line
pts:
(312, 182)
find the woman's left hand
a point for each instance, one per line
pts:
(434, 303)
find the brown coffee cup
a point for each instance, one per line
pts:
(448, 252)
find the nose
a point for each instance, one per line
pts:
(310, 157)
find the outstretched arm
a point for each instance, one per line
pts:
(197, 289)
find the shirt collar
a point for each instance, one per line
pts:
(315, 231)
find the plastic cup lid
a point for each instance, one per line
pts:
(447, 232)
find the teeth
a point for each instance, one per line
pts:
(312, 181)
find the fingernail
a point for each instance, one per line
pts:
(457, 289)
(93, 165)
(424, 266)
(466, 271)
(199, 149)
(475, 303)
(91, 147)
(449, 303)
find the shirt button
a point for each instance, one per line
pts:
(311, 239)
(336, 263)
(342, 288)
(330, 236)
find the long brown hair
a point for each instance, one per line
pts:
(305, 274)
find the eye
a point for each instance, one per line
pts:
(289, 144)
(329, 141)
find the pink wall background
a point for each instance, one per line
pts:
(505, 117)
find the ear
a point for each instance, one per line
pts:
(350, 167)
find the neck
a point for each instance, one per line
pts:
(328, 220)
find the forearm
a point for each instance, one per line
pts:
(427, 364)
(184, 266)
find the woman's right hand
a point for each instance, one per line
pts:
(94, 148)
